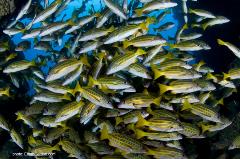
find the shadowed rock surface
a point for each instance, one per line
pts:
(6, 7)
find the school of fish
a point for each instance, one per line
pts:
(114, 90)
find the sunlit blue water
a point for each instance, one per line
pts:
(91, 5)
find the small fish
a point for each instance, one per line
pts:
(4, 124)
(101, 148)
(72, 149)
(73, 76)
(235, 143)
(54, 27)
(166, 152)
(168, 63)
(160, 124)
(28, 120)
(69, 110)
(191, 45)
(122, 142)
(176, 72)
(152, 53)
(165, 26)
(31, 34)
(95, 96)
(131, 117)
(203, 111)
(202, 13)
(124, 32)
(215, 21)
(138, 100)
(47, 12)
(80, 23)
(45, 148)
(139, 70)
(90, 46)
(161, 136)
(190, 36)
(115, 8)
(96, 33)
(87, 113)
(155, 5)
(191, 131)
(122, 62)
(114, 83)
(55, 133)
(230, 46)
(56, 87)
(217, 127)
(17, 138)
(161, 113)
(180, 86)
(144, 41)
(13, 31)
(103, 18)
(18, 66)
(64, 68)
(50, 97)
(23, 46)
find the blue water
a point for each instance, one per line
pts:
(96, 5)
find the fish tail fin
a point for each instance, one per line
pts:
(140, 52)
(118, 120)
(139, 133)
(7, 91)
(77, 88)
(151, 20)
(156, 72)
(149, 110)
(84, 60)
(186, 105)
(225, 76)
(210, 76)
(97, 14)
(56, 147)
(157, 100)
(220, 42)
(143, 26)
(191, 10)
(204, 26)
(170, 55)
(204, 128)
(104, 132)
(101, 55)
(19, 116)
(139, 12)
(221, 101)
(66, 97)
(126, 44)
(131, 127)
(201, 63)
(92, 82)
(111, 29)
(141, 121)
(172, 46)
(185, 26)
(163, 88)
(71, 23)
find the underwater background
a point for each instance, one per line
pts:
(220, 59)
